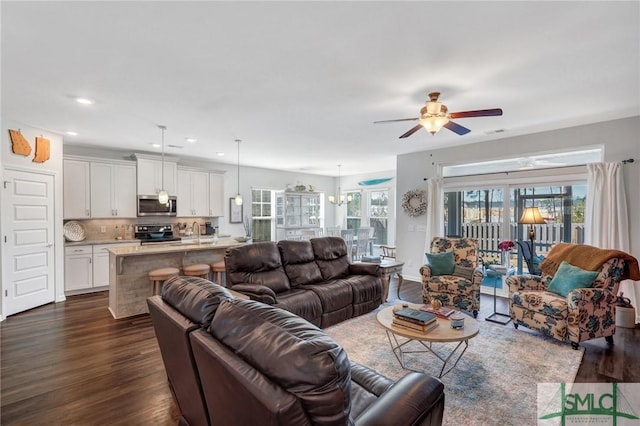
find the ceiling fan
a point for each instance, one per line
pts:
(434, 116)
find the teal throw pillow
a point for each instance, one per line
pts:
(441, 263)
(537, 260)
(569, 277)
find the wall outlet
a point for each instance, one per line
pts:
(103, 229)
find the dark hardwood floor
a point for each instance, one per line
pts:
(71, 363)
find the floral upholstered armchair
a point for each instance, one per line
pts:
(452, 274)
(574, 298)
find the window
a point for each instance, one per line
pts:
(379, 215)
(354, 210)
(261, 212)
(488, 216)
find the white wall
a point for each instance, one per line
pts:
(54, 167)
(620, 139)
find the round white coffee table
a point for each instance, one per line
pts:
(441, 334)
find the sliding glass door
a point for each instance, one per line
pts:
(490, 214)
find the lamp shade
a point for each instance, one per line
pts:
(163, 197)
(531, 216)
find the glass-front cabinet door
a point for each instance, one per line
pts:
(298, 215)
(292, 210)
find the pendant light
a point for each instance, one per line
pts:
(238, 195)
(163, 196)
(339, 199)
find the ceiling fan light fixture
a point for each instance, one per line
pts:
(433, 124)
(433, 108)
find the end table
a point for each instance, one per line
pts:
(497, 272)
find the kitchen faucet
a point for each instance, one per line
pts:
(196, 228)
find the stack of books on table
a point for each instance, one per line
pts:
(415, 320)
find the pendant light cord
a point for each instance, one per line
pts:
(238, 142)
(163, 128)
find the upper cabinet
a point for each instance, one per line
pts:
(200, 193)
(193, 193)
(216, 195)
(150, 175)
(76, 189)
(113, 190)
(99, 189)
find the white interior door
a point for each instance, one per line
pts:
(29, 270)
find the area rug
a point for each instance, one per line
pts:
(495, 381)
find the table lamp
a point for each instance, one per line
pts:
(531, 216)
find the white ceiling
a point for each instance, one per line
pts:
(302, 82)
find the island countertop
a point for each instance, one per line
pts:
(129, 267)
(173, 247)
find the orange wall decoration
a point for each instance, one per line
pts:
(19, 144)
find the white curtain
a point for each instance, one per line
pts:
(606, 214)
(435, 212)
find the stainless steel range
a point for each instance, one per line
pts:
(155, 234)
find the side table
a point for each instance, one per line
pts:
(388, 267)
(497, 272)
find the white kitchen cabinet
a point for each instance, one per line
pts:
(193, 193)
(149, 176)
(78, 268)
(86, 267)
(76, 189)
(113, 190)
(216, 195)
(101, 262)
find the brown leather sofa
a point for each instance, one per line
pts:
(239, 362)
(312, 279)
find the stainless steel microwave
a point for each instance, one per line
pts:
(148, 205)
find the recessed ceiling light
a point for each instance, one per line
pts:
(220, 154)
(85, 101)
(72, 133)
(155, 145)
(192, 140)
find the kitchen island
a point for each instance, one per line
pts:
(129, 285)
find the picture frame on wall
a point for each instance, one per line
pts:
(235, 211)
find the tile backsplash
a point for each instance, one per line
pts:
(103, 229)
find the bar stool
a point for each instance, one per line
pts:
(198, 270)
(159, 276)
(217, 269)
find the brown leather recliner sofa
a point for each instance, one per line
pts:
(312, 279)
(239, 362)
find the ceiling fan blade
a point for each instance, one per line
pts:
(396, 120)
(477, 113)
(456, 128)
(411, 131)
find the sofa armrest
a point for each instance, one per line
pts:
(257, 292)
(425, 271)
(411, 400)
(364, 269)
(524, 282)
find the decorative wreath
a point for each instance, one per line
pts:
(414, 202)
